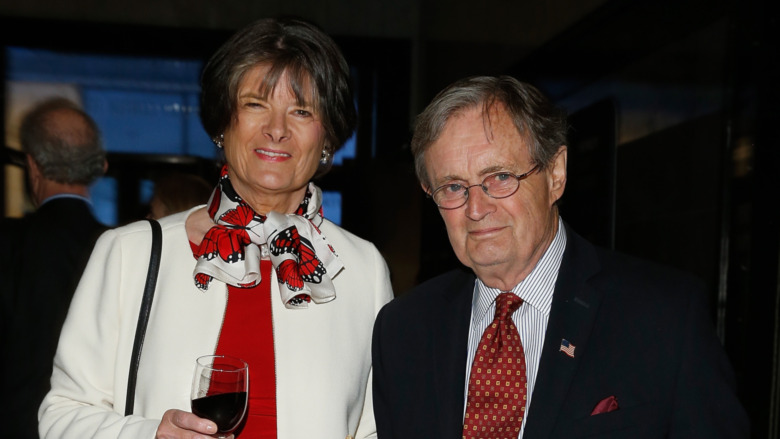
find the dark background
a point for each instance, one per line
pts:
(673, 108)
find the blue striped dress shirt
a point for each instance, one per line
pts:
(531, 318)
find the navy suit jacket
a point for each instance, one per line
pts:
(42, 257)
(642, 333)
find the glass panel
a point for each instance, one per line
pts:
(331, 206)
(103, 195)
(137, 121)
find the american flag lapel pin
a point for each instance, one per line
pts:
(567, 348)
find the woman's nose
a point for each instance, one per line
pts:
(276, 128)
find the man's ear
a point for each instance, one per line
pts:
(33, 171)
(557, 175)
(34, 178)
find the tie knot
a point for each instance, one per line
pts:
(506, 304)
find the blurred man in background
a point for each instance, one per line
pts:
(43, 254)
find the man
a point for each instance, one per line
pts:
(608, 346)
(45, 252)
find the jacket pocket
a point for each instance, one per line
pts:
(637, 422)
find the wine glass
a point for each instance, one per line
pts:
(219, 391)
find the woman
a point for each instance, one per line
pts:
(276, 98)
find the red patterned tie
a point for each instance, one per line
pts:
(497, 386)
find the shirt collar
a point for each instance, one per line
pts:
(536, 289)
(58, 196)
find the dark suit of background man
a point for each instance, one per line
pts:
(614, 347)
(44, 253)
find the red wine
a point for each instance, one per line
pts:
(225, 409)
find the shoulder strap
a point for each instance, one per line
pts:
(143, 315)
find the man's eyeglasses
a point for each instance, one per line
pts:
(497, 185)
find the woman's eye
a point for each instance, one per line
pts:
(303, 113)
(504, 176)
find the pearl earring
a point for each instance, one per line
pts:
(219, 141)
(325, 157)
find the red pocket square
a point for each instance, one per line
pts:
(606, 405)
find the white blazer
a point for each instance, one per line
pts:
(323, 353)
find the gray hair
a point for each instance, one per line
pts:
(538, 121)
(71, 154)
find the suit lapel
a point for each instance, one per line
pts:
(572, 315)
(451, 333)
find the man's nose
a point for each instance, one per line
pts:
(478, 203)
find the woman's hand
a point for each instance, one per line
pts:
(178, 424)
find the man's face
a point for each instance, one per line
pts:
(500, 239)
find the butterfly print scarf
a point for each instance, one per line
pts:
(231, 250)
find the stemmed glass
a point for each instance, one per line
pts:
(219, 391)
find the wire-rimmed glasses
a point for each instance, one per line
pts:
(496, 185)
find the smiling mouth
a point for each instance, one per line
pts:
(271, 153)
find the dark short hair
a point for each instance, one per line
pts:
(535, 117)
(71, 156)
(300, 49)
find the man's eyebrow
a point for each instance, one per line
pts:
(483, 172)
(493, 169)
(439, 181)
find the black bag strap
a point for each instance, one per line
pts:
(143, 314)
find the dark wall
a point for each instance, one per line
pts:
(669, 195)
(700, 192)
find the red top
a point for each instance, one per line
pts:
(247, 333)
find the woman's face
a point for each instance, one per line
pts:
(273, 145)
